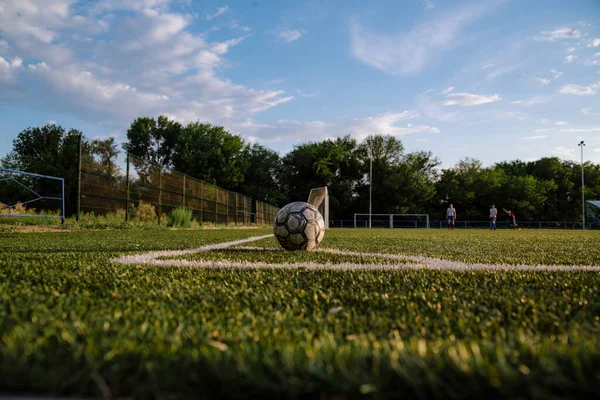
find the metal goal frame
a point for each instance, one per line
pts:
(391, 217)
(324, 202)
(38, 196)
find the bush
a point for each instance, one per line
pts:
(180, 218)
(145, 212)
(18, 209)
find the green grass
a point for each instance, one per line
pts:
(72, 323)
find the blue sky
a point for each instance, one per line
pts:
(493, 79)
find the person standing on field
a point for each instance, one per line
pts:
(451, 216)
(493, 216)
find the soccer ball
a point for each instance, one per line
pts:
(299, 226)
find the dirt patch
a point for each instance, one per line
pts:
(33, 228)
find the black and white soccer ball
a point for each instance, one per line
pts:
(299, 226)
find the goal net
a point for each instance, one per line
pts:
(319, 197)
(25, 194)
(392, 220)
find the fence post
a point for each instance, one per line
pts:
(159, 193)
(127, 189)
(183, 191)
(63, 201)
(78, 211)
(227, 210)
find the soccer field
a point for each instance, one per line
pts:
(226, 314)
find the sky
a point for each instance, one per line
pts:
(494, 80)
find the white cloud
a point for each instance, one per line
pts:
(579, 90)
(570, 58)
(133, 5)
(359, 128)
(561, 123)
(510, 114)
(469, 99)
(556, 74)
(51, 122)
(501, 71)
(236, 25)
(576, 130)
(594, 43)
(220, 11)
(289, 35)
(386, 124)
(152, 65)
(588, 111)
(277, 81)
(571, 49)
(593, 60)
(564, 151)
(428, 4)
(9, 70)
(431, 108)
(448, 90)
(411, 52)
(543, 121)
(307, 94)
(534, 137)
(559, 34)
(540, 130)
(532, 101)
(542, 81)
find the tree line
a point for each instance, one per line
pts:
(548, 189)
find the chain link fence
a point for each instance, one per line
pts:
(145, 186)
(265, 213)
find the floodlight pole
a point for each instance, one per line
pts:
(582, 144)
(370, 186)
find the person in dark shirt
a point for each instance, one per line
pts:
(512, 218)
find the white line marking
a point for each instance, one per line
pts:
(413, 262)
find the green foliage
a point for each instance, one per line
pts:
(210, 153)
(154, 140)
(48, 150)
(548, 189)
(74, 324)
(180, 217)
(315, 164)
(261, 168)
(545, 190)
(145, 212)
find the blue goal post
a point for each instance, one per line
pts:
(594, 210)
(9, 175)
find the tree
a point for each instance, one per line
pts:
(106, 152)
(329, 163)
(381, 148)
(210, 153)
(261, 168)
(153, 140)
(402, 183)
(49, 150)
(461, 185)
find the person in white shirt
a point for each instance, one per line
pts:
(451, 216)
(493, 217)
